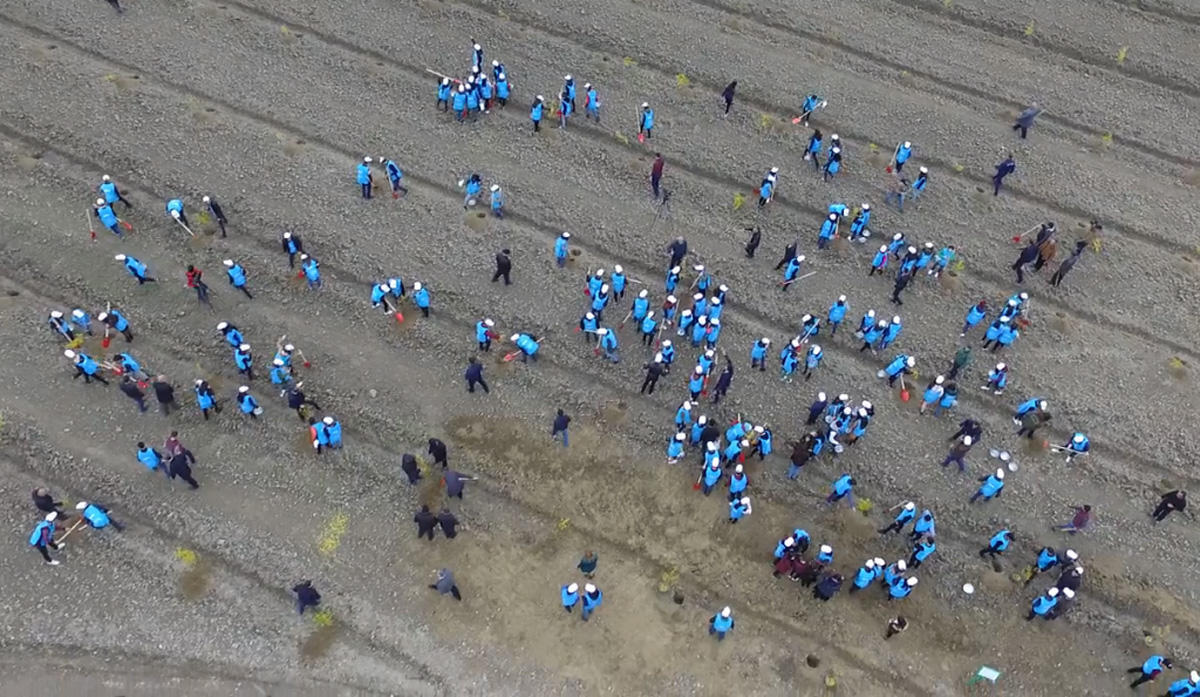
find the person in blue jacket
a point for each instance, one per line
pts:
(98, 517)
(902, 364)
(459, 102)
(135, 268)
(837, 313)
(1186, 687)
(721, 623)
(247, 403)
(205, 399)
(710, 478)
(903, 152)
(867, 574)
(975, 314)
(843, 487)
(828, 231)
(858, 227)
(364, 177)
(907, 513)
(873, 334)
(645, 121)
(395, 175)
(1150, 669)
(996, 546)
(333, 429)
(110, 192)
(535, 112)
(570, 596)
(237, 276)
(792, 270)
(922, 550)
(833, 164)
(739, 508)
(813, 151)
(150, 457)
(919, 184)
(107, 217)
(560, 249)
(527, 345)
(42, 538)
(443, 94)
(421, 298)
(675, 447)
(85, 366)
(738, 481)
(311, 269)
(1078, 445)
(592, 598)
(503, 89)
(902, 589)
(992, 486)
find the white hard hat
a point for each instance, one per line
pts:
(287, 235)
(702, 420)
(911, 361)
(698, 268)
(1194, 677)
(288, 348)
(205, 199)
(587, 85)
(175, 214)
(687, 404)
(866, 404)
(821, 396)
(244, 347)
(604, 288)
(738, 469)
(228, 262)
(967, 440)
(445, 81)
(51, 516)
(745, 442)
(618, 269)
(675, 269)
(901, 565)
(725, 611)
(643, 293)
(697, 296)
(106, 178)
(540, 98)
(939, 380)
(910, 506)
(1068, 593)
(841, 298)
(835, 150)
(602, 331)
(514, 337)
(912, 581)
(303, 256)
(843, 397)
(745, 501)
(658, 358)
(928, 245)
(328, 420)
(478, 47)
(1043, 404)
(834, 136)
(666, 342)
(833, 216)
(999, 474)
(645, 105)
(766, 341)
(81, 505)
(566, 235)
(243, 389)
(491, 323)
(895, 319)
(870, 564)
(495, 187)
(716, 300)
(417, 285)
(800, 258)
(590, 315)
(924, 170)
(567, 77)
(712, 447)
(573, 588)
(866, 206)
(56, 313)
(1078, 438)
(221, 326)
(367, 158)
(1052, 592)
(898, 236)
(199, 382)
(1004, 320)
(907, 144)
(870, 313)
(1024, 296)
(589, 588)
(119, 257)
(758, 429)
(277, 361)
(99, 202)
(703, 319)
(680, 436)
(787, 541)
(1072, 554)
(878, 561)
(774, 170)
(1001, 366)
(1079, 568)
(826, 549)
(816, 349)
(69, 353)
(723, 288)
(699, 369)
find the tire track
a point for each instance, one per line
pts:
(1001, 31)
(602, 137)
(1091, 133)
(757, 318)
(1165, 11)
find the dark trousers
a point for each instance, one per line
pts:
(997, 182)
(88, 378)
(1019, 267)
(189, 479)
(654, 185)
(244, 290)
(502, 274)
(45, 554)
(650, 383)
(1144, 677)
(471, 385)
(728, 103)
(165, 407)
(422, 532)
(957, 459)
(201, 295)
(140, 401)
(1057, 278)
(221, 223)
(896, 526)
(537, 126)
(1022, 129)
(992, 551)
(144, 279)
(366, 190)
(454, 589)
(1161, 511)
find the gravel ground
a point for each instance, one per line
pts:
(268, 105)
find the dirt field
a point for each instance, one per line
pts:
(269, 104)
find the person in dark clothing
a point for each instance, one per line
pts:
(408, 464)
(654, 371)
(130, 388)
(789, 253)
(656, 172)
(1028, 254)
(755, 239)
(710, 434)
(474, 375)
(426, 522)
(217, 213)
(816, 409)
(901, 283)
(1003, 170)
(46, 503)
(455, 482)
(179, 467)
(117, 6)
(723, 380)
(1032, 421)
(164, 393)
(306, 596)
(1070, 578)
(1065, 267)
(297, 400)
(678, 250)
(437, 450)
(587, 564)
(503, 267)
(445, 584)
(448, 522)
(828, 586)
(1026, 118)
(1171, 501)
(895, 626)
(968, 427)
(561, 422)
(727, 95)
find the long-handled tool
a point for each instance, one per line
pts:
(798, 278)
(452, 79)
(806, 114)
(107, 339)
(904, 395)
(1017, 239)
(182, 225)
(91, 228)
(70, 530)
(888, 169)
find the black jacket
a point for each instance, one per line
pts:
(45, 503)
(474, 372)
(164, 392)
(130, 388)
(425, 521)
(179, 465)
(503, 263)
(437, 449)
(448, 522)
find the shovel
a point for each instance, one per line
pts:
(800, 118)
(904, 395)
(889, 167)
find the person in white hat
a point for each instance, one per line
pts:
(536, 111)
(97, 516)
(919, 184)
(217, 213)
(560, 249)
(570, 596)
(365, 179)
(903, 152)
(592, 597)
(721, 623)
(42, 538)
(496, 200)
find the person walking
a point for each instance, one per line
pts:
(474, 375)
(448, 523)
(445, 584)
(306, 596)
(1025, 119)
(46, 503)
(130, 388)
(895, 626)
(180, 467)
(1005, 168)
(561, 422)
(437, 450)
(164, 393)
(1080, 521)
(656, 172)
(1150, 669)
(721, 623)
(42, 538)
(587, 564)
(727, 95)
(503, 267)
